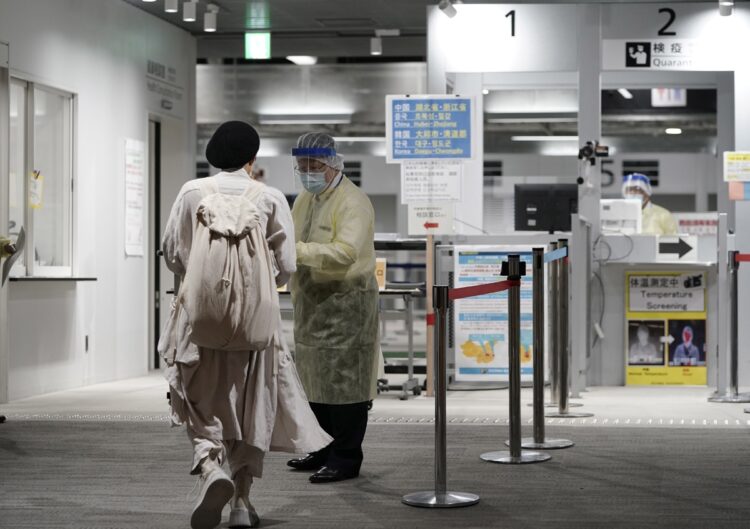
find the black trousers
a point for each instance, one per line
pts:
(347, 424)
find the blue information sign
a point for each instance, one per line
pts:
(429, 128)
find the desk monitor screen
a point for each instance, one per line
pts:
(621, 215)
(545, 207)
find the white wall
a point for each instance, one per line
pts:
(98, 51)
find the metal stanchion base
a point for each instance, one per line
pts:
(556, 405)
(446, 500)
(568, 414)
(548, 444)
(738, 398)
(505, 457)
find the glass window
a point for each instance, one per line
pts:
(49, 181)
(16, 193)
(41, 176)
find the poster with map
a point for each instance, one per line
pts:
(481, 323)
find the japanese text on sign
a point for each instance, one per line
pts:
(667, 293)
(430, 181)
(428, 128)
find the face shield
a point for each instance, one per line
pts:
(316, 161)
(636, 186)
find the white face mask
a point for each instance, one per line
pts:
(635, 196)
(313, 182)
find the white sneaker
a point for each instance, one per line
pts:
(242, 513)
(215, 491)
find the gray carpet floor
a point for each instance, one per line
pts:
(117, 475)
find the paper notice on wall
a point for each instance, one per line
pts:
(36, 190)
(430, 181)
(135, 167)
(737, 166)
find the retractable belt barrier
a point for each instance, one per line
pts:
(734, 396)
(442, 296)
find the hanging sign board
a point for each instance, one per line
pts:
(135, 166)
(481, 323)
(652, 54)
(737, 166)
(427, 127)
(665, 328)
(431, 218)
(430, 181)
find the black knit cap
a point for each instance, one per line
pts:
(234, 144)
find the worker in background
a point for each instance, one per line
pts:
(656, 220)
(335, 297)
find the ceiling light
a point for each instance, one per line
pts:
(446, 6)
(673, 131)
(171, 6)
(188, 11)
(725, 7)
(624, 92)
(210, 17)
(544, 138)
(149, 1)
(257, 45)
(485, 91)
(305, 119)
(376, 46)
(302, 60)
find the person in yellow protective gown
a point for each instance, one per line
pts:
(335, 297)
(656, 220)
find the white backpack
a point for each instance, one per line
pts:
(229, 290)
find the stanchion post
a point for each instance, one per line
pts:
(563, 344)
(440, 497)
(734, 394)
(554, 348)
(515, 272)
(539, 441)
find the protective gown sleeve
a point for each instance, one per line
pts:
(280, 237)
(352, 229)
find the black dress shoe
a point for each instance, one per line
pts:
(329, 475)
(309, 462)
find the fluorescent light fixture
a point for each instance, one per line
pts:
(305, 119)
(359, 139)
(188, 11)
(148, 1)
(725, 7)
(624, 92)
(485, 91)
(376, 46)
(302, 60)
(544, 138)
(446, 6)
(531, 117)
(257, 45)
(673, 131)
(209, 18)
(171, 6)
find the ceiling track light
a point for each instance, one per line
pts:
(189, 10)
(210, 18)
(376, 46)
(625, 93)
(171, 6)
(446, 6)
(725, 7)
